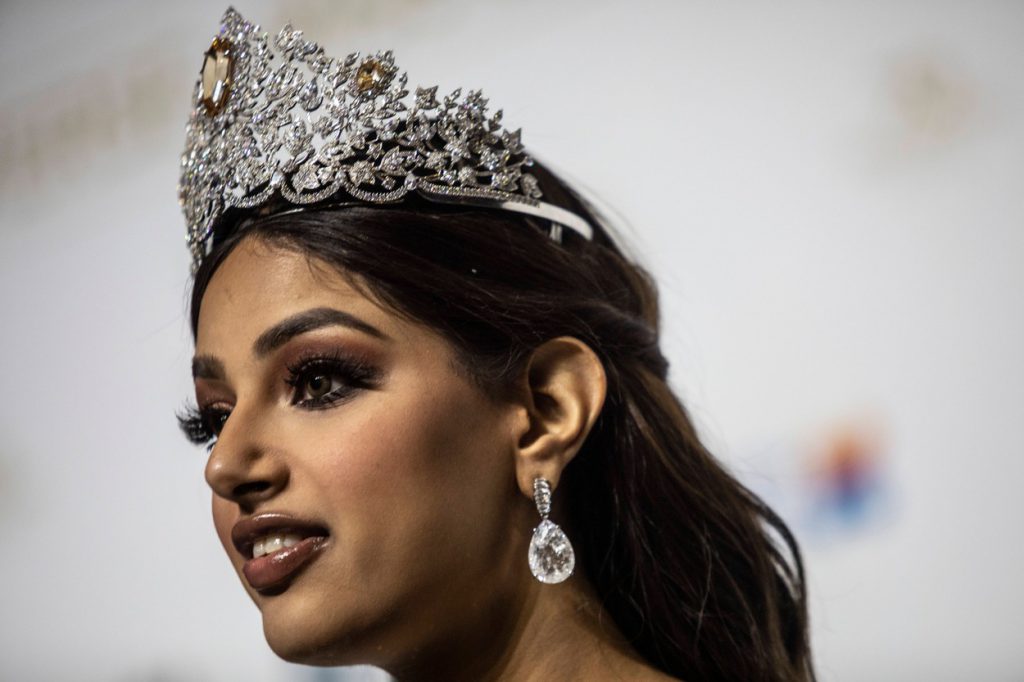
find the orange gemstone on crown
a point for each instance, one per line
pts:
(369, 75)
(216, 75)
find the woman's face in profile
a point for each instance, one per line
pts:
(377, 478)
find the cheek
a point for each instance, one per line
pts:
(415, 477)
(224, 517)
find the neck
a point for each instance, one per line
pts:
(555, 632)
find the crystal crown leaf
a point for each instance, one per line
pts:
(275, 119)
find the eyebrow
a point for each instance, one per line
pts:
(210, 367)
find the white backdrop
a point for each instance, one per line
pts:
(830, 197)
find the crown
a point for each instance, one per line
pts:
(276, 120)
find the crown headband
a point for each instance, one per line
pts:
(278, 120)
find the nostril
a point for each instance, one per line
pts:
(249, 488)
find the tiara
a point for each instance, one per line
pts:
(276, 120)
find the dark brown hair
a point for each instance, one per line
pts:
(686, 559)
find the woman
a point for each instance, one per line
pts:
(441, 438)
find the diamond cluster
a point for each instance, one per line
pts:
(276, 118)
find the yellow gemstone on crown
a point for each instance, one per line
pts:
(369, 75)
(216, 75)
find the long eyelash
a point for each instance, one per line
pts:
(193, 423)
(354, 372)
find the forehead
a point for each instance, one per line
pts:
(259, 284)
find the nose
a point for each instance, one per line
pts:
(243, 467)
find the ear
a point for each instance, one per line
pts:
(561, 395)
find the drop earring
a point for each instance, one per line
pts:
(551, 555)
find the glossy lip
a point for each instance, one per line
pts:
(245, 533)
(271, 573)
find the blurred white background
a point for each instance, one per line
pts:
(831, 197)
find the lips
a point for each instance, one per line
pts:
(277, 568)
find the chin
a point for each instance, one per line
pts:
(305, 645)
(301, 630)
(295, 648)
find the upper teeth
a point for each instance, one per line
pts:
(272, 543)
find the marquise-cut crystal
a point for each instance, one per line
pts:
(551, 555)
(309, 96)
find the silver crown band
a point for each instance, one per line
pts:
(279, 120)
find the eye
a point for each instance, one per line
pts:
(319, 385)
(320, 381)
(202, 426)
(215, 418)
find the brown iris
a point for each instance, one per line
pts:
(319, 385)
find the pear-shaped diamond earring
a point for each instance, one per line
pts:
(551, 555)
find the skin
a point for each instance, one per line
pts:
(424, 483)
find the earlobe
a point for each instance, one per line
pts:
(563, 391)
